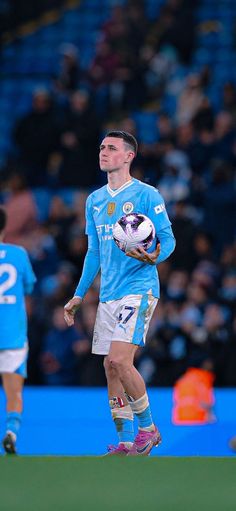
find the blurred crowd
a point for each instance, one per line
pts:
(187, 149)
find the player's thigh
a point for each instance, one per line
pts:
(133, 316)
(12, 383)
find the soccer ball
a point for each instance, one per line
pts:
(133, 230)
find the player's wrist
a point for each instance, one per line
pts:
(77, 299)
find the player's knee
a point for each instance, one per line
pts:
(106, 363)
(112, 365)
(109, 370)
(118, 363)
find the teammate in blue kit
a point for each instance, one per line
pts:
(129, 289)
(16, 280)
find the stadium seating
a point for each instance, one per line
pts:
(33, 59)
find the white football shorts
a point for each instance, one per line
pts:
(126, 320)
(14, 361)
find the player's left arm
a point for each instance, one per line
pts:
(165, 241)
(165, 245)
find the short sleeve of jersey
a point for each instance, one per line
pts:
(156, 209)
(90, 229)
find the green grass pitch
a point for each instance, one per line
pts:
(117, 484)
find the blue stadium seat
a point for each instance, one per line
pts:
(68, 195)
(42, 197)
(153, 7)
(146, 123)
(169, 104)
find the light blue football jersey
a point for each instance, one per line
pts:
(16, 279)
(120, 274)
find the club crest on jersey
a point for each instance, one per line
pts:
(128, 207)
(111, 206)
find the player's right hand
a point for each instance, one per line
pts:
(70, 309)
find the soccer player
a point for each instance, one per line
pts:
(16, 280)
(129, 289)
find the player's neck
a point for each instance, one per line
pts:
(116, 180)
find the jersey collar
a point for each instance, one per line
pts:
(118, 190)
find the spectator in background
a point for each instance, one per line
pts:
(116, 79)
(21, 210)
(198, 145)
(138, 24)
(216, 332)
(38, 323)
(115, 29)
(225, 137)
(219, 206)
(94, 373)
(62, 350)
(158, 68)
(202, 155)
(177, 285)
(190, 100)
(76, 247)
(174, 183)
(60, 218)
(104, 65)
(125, 31)
(174, 26)
(228, 258)
(53, 169)
(36, 136)
(185, 231)
(204, 117)
(127, 90)
(79, 137)
(43, 253)
(126, 28)
(165, 127)
(229, 99)
(202, 248)
(55, 287)
(229, 373)
(227, 291)
(71, 75)
(164, 357)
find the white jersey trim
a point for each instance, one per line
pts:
(113, 193)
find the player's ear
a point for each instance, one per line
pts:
(130, 157)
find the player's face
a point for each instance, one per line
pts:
(114, 154)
